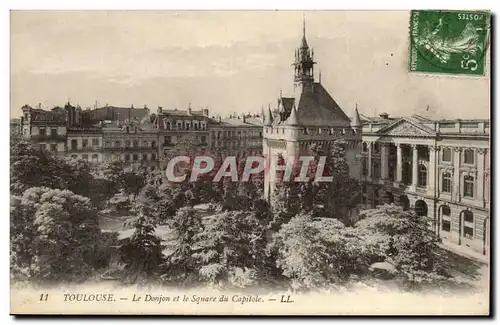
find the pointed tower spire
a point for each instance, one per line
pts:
(269, 117)
(292, 119)
(356, 121)
(304, 61)
(304, 42)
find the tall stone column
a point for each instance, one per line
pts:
(431, 171)
(399, 166)
(414, 166)
(456, 174)
(384, 160)
(369, 159)
(480, 175)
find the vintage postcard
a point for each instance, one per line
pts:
(250, 162)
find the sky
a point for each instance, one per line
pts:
(226, 61)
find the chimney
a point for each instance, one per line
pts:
(384, 115)
(219, 119)
(244, 118)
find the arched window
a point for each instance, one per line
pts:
(445, 216)
(422, 175)
(117, 144)
(468, 224)
(446, 180)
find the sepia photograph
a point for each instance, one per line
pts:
(285, 162)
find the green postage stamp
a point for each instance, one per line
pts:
(450, 42)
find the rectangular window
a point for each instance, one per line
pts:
(446, 183)
(95, 142)
(376, 170)
(153, 157)
(43, 146)
(446, 225)
(469, 186)
(135, 143)
(42, 131)
(53, 132)
(144, 157)
(135, 157)
(469, 156)
(107, 157)
(127, 157)
(85, 143)
(53, 147)
(167, 139)
(203, 139)
(446, 154)
(127, 144)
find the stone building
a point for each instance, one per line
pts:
(237, 135)
(135, 135)
(440, 168)
(310, 116)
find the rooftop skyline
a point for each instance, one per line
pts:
(230, 61)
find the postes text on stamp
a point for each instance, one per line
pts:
(449, 42)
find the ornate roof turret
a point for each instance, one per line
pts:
(304, 60)
(292, 119)
(269, 117)
(356, 121)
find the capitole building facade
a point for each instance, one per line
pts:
(440, 168)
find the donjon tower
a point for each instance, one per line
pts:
(310, 116)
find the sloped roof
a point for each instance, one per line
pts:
(287, 103)
(178, 112)
(118, 113)
(249, 121)
(317, 108)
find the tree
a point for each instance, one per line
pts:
(30, 168)
(132, 183)
(142, 252)
(318, 252)
(231, 242)
(180, 266)
(113, 173)
(54, 235)
(404, 239)
(284, 204)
